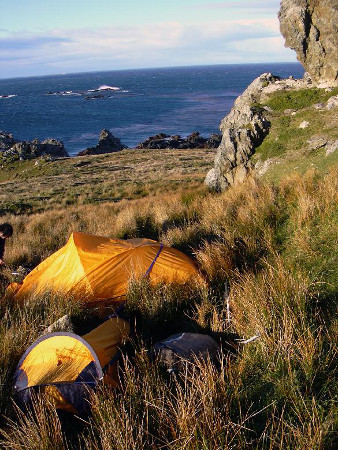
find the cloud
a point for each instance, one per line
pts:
(166, 44)
(29, 42)
(270, 5)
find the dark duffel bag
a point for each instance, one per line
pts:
(180, 348)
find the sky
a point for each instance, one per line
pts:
(42, 37)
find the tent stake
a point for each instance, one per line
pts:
(227, 299)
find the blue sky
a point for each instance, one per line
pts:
(39, 37)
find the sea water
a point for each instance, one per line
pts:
(132, 104)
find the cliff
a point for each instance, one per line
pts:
(309, 27)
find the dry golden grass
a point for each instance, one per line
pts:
(91, 179)
(275, 247)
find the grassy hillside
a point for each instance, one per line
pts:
(300, 126)
(272, 241)
(41, 184)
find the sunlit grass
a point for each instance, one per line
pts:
(275, 248)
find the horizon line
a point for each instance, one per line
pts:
(147, 68)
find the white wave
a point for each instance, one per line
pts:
(69, 93)
(104, 87)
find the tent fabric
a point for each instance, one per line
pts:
(96, 269)
(106, 340)
(64, 366)
(56, 357)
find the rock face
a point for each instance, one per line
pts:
(13, 149)
(107, 144)
(310, 27)
(243, 130)
(194, 140)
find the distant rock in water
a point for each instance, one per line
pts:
(14, 149)
(194, 140)
(214, 141)
(107, 144)
(310, 27)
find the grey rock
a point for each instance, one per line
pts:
(261, 167)
(13, 149)
(331, 147)
(289, 112)
(23, 150)
(332, 102)
(319, 105)
(107, 144)
(211, 181)
(317, 142)
(6, 140)
(53, 148)
(214, 141)
(310, 27)
(304, 124)
(242, 131)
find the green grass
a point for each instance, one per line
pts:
(299, 99)
(288, 144)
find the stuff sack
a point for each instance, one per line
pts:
(180, 348)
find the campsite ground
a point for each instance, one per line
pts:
(272, 241)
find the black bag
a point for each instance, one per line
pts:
(180, 348)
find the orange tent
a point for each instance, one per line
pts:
(97, 269)
(64, 366)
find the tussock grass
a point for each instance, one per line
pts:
(39, 428)
(275, 247)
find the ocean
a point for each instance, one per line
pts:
(132, 104)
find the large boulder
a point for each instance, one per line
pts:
(310, 27)
(107, 144)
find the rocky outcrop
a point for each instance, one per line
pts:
(22, 150)
(107, 144)
(6, 140)
(310, 27)
(194, 140)
(243, 130)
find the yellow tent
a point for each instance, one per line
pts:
(97, 269)
(64, 366)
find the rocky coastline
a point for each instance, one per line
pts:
(12, 149)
